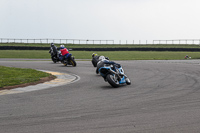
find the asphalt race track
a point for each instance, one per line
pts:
(164, 97)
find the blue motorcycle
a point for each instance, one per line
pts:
(68, 59)
(113, 74)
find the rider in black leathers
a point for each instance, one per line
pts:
(96, 58)
(54, 53)
(101, 64)
(99, 61)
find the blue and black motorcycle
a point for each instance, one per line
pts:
(69, 60)
(113, 73)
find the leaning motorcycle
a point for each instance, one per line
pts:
(114, 75)
(54, 55)
(69, 60)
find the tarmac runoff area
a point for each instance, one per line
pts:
(62, 79)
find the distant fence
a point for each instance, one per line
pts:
(60, 41)
(179, 41)
(82, 41)
(101, 49)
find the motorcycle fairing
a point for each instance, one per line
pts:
(105, 70)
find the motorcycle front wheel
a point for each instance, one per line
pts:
(112, 80)
(128, 82)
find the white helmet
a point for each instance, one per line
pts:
(62, 46)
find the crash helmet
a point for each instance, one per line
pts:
(62, 46)
(94, 54)
(52, 44)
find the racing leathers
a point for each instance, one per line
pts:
(101, 64)
(96, 59)
(64, 52)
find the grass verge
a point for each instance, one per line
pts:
(113, 55)
(10, 76)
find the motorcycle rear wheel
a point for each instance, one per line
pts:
(54, 59)
(73, 62)
(112, 81)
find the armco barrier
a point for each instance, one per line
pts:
(102, 49)
(22, 48)
(137, 49)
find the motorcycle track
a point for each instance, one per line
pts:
(163, 97)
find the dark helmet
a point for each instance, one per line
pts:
(52, 44)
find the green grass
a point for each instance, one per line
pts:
(113, 55)
(10, 76)
(138, 55)
(29, 54)
(104, 45)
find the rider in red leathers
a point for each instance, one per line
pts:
(64, 51)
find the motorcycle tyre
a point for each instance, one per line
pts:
(54, 59)
(73, 62)
(128, 82)
(111, 81)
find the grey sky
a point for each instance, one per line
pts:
(100, 19)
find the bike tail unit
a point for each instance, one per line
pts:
(114, 75)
